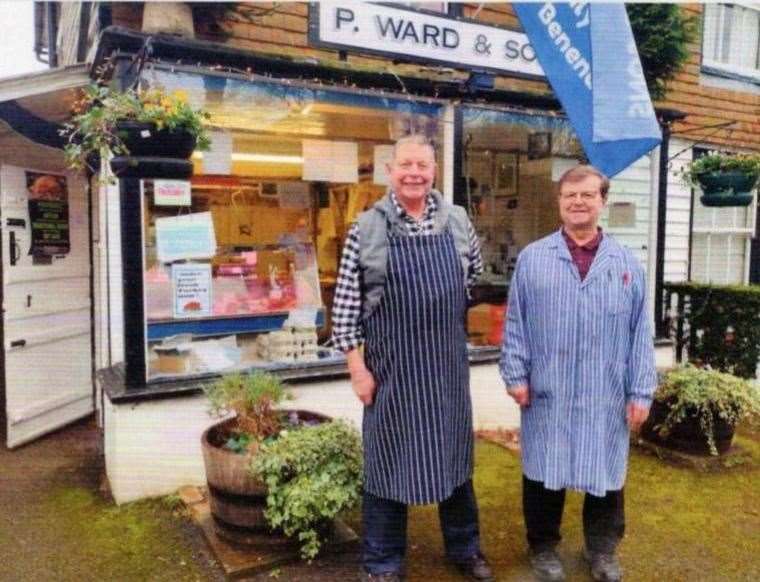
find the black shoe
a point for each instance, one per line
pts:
(547, 566)
(476, 568)
(605, 566)
(384, 577)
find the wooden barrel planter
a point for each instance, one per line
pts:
(236, 498)
(687, 436)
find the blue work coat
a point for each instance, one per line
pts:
(585, 349)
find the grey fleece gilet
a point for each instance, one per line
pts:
(374, 225)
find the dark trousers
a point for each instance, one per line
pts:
(603, 517)
(384, 524)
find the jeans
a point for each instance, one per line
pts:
(603, 517)
(384, 523)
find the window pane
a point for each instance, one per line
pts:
(278, 235)
(511, 163)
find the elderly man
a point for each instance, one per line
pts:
(407, 265)
(578, 358)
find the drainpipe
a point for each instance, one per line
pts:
(52, 34)
(666, 117)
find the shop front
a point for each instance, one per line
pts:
(234, 268)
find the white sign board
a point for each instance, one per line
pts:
(218, 159)
(192, 290)
(388, 30)
(189, 236)
(171, 193)
(330, 161)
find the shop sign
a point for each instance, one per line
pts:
(192, 290)
(171, 193)
(420, 36)
(48, 214)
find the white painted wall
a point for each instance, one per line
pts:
(678, 212)
(153, 447)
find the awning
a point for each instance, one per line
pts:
(34, 107)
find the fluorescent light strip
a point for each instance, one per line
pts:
(261, 158)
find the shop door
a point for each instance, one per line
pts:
(46, 321)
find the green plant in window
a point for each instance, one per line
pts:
(97, 114)
(312, 474)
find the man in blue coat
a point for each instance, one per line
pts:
(578, 358)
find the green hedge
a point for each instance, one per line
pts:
(719, 324)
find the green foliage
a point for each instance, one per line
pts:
(706, 394)
(723, 324)
(312, 474)
(662, 33)
(96, 114)
(253, 398)
(748, 164)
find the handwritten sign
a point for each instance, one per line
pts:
(192, 290)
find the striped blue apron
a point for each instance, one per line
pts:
(418, 432)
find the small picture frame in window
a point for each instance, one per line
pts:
(539, 145)
(505, 174)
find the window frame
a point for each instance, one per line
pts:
(712, 66)
(745, 233)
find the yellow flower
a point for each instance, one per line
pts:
(180, 95)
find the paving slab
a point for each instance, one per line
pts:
(242, 553)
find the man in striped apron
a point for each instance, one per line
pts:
(578, 358)
(402, 293)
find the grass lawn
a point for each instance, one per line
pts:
(681, 525)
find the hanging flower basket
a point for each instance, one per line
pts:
(142, 123)
(725, 180)
(727, 188)
(145, 139)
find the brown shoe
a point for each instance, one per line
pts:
(476, 568)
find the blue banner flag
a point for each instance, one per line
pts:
(590, 58)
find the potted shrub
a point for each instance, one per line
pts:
(696, 410)
(312, 474)
(147, 122)
(270, 469)
(725, 180)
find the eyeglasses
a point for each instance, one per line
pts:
(585, 196)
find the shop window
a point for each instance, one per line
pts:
(511, 163)
(240, 273)
(731, 39)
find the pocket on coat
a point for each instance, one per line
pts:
(619, 300)
(541, 379)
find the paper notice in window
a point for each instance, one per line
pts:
(171, 193)
(383, 156)
(190, 236)
(192, 290)
(330, 161)
(218, 159)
